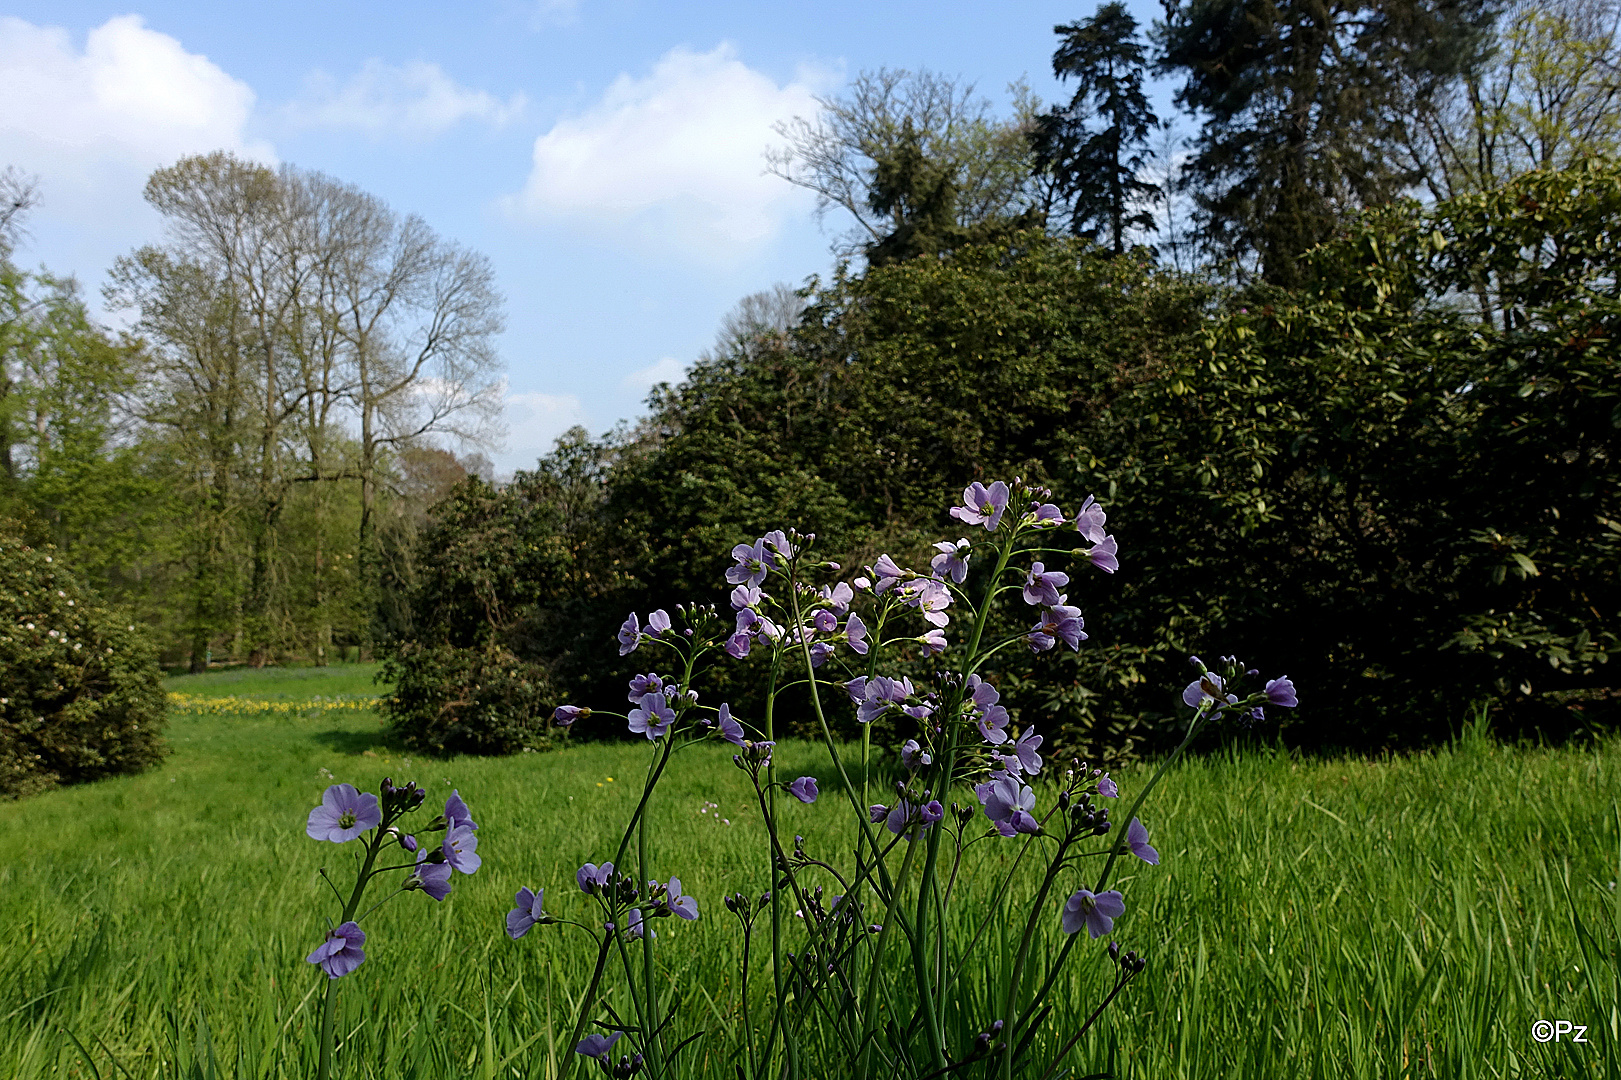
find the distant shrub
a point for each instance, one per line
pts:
(80, 696)
(448, 700)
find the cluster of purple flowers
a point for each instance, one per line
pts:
(345, 813)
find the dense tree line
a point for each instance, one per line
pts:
(247, 464)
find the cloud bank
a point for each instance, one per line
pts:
(416, 100)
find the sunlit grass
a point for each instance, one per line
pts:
(1407, 917)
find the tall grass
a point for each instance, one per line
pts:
(1408, 917)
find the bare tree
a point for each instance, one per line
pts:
(838, 152)
(757, 319)
(19, 193)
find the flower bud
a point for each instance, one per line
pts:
(1114, 951)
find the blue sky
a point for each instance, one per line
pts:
(607, 156)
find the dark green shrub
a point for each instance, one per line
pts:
(448, 700)
(80, 696)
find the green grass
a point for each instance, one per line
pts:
(1399, 918)
(281, 683)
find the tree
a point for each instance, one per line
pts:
(1547, 97)
(1099, 173)
(1306, 106)
(911, 151)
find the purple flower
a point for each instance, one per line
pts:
(565, 715)
(730, 730)
(460, 849)
(408, 842)
(753, 560)
(819, 653)
(1137, 837)
(906, 813)
(1008, 804)
(630, 634)
(913, 756)
(737, 646)
(344, 814)
(340, 953)
(1095, 912)
(877, 694)
(745, 597)
(652, 717)
(877, 812)
(1041, 586)
(1045, 515)
(804, 789)
(855, 632)
(838, 597)
(636, 926)
(659, 622)
(1281, 692)
(1209, 687)
(1089, 522)
(1108, 788)
(1025, 750)
(683, 906)
(887, 572)
(930, 812)
(431, 878)
(597, 1046)
(592, 878)
(1103, 556)
(642, 685)
(1061, 623)
(526, 914)
(825, 621)
(933, 642)
(952, 562)
(928, 596)
(777, 541)
(982, 505)
(456, 813)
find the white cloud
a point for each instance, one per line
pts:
(132, 97)
(416, 99)
(674, 158)
(556, 13)
(668, 369)
(534, 421)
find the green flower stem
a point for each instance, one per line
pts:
(1025, 941)
(323, 1068)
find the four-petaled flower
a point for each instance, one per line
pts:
(1089, 522)
(652, 717)
(1103, 556)
(888, 573)
(1281, 692)
(1045, 515)
(1060, 623)
(683, 906)
(855, 632)
(642, 685)
(730, 729)
(1096, 912)
(460, 849)
(913, 756)
(565, 715)
(930, 597)
(456, 812)
(933, 641)
(1041, 586)
(432, 878)
(593, 878)
(1108, 788)
(527, 912)
(1209, 688)
(344, 814)
(1137, 838)
(982, 505)
(804, 789)
(340, 953)
(952, 562)
(1008, 804)
(753, 560)
(1025, 750)
(630, 634)
(659, 622)
(839, 596)
(597, 1046)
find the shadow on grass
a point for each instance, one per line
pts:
(358, 742)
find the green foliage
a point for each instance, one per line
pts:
(450, 700)
(82, 693)
(1404, 509)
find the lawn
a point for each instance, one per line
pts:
(1408, 917)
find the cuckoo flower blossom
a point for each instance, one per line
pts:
(952, 562)
(1103, 556)
(855, 632)
(1097, 912)
(1060, 623)
(745, 597)
(804, 789)
(642, 685)
(460, 849)
(928, 596)
(592, 878)
(888, 572)
(1045, 515)
(565, 715)
(874, 696)
(1137, 837)
(982, 505)
(1041, 586)
(597, 1046)
(1281, 692)
(457, 814)
(652, 717)
(753, 560)
(933, 641)
(913, 756)
(1089, 522)
(431, 878)
(658, 623)
(839, 597)
(630, 634)
(1025, 749)
(344, 814)
(526, 913)
(1008, 804)
(683, 906)
(730, 729)
(341, 952)
(1108, 788)
(1208, 688)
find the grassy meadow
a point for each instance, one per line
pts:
(1408, 917)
